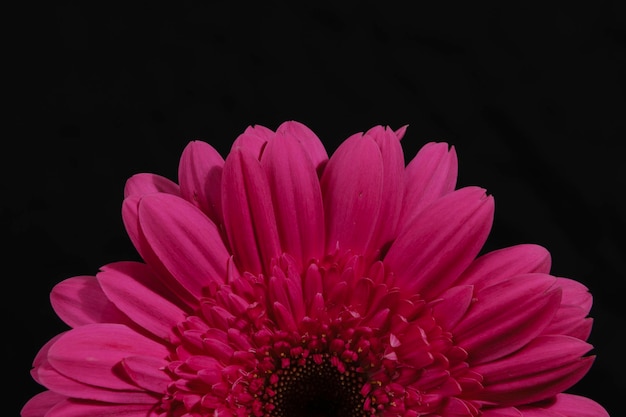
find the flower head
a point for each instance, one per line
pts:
(281, 282)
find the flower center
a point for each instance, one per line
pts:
(334, 342)
(317, 389)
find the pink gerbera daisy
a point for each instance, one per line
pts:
(281, 282)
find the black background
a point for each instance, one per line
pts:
(533, 99)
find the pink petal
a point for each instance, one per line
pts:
(253, 140)
(502, 264)
(128, 286)
(452, 306)
(542, 354)
(539, 412)
(352, 186)
(69, 387)
(501, 412)
(429, 176)
(248, 212)
(200, 178)
(310, 142)
(506, 316)
(70, 408)
(296, 196)
(431, 251)
(41, 358)
(130, 216)
(287, 290)
(572, 317)
(90, 354)
(570, 321)
(144, 183)
(575, 294)
(545, 367)
(147, 372)
(575, 406)
(39, 405)
(401, 131)
(80, 300)
(386, 227)
(184, 240)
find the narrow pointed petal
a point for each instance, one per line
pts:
(200, 178)
(249, 213)
(401, 131)
(310, 142)
(126, 284)
(296, 196)
(507, 316)
(70, 408)
(80, 300)
(184, 240)
(431, 252)
(145, 183)
(431, 174)
(39, 405)
(90, 354)
(502, 264)
(352, 188)
(386, 226)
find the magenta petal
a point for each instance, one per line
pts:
(507, 315)
(127, 285)
(451, 308)
(142, 184)
(39, 405)
(91, 353)
(352, 186)
(200, 178)
(80, 300)
(130, 216)
(147, 372)
(570, 321)
(545, 367)
(574, 405)
(572, 317)
(69, 387)
(249, 213)
(386, 226)
(309, 140)
(70, 408)
(502, 264)
(130, 219)
(575, 293)
(501, 412)
(296, 196)
(185, 241)
(429, 176)
(253, 140)
(539, 412)
(401, 131)
(431, 252)
(541, 355)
